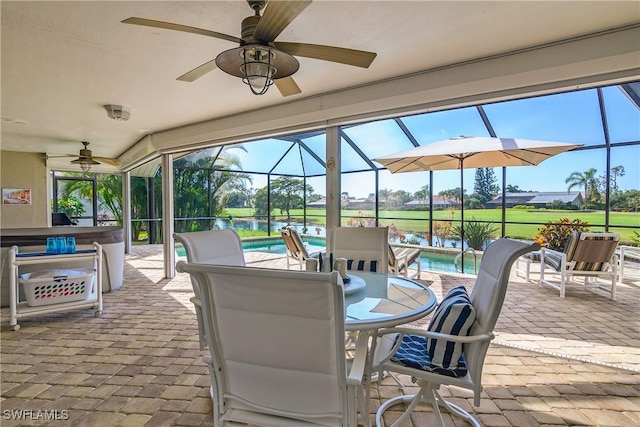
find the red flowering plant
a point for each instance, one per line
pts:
(554, 235)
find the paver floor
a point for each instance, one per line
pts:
(566, 362)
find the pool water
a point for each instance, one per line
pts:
(433, 261)
(276, 247)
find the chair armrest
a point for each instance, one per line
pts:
(561, 255)
(356, 373)
(631, 253)
(437, 335)
(553, 251)
(400, 261)
(196, 301)
(466, 339)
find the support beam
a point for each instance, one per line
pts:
(333, 180)
(126, 211)
(167, 217)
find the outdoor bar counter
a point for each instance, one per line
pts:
(34, 240)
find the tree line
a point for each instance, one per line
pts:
(204, 188)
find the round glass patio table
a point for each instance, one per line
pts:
(384, 301)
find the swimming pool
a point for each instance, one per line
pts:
(429, 260)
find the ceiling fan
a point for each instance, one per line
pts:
(86, 159)
(260, 60)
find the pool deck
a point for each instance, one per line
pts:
(554, 362)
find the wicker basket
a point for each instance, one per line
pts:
(56, 286)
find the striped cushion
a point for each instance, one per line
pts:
(553, 260)
(413, 353)
(359, 265)
(571, 245)
(362, 265)
(454, 316)
(533, 256)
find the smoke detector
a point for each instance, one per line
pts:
(118, 112)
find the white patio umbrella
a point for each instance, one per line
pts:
(472, 152)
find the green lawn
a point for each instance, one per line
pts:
(416, 221)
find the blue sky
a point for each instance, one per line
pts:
(572, 117)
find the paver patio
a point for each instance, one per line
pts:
(572, 361)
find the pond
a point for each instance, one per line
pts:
(261, 225)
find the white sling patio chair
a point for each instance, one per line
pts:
(277, 347)
(453, 348)
(587, 254)
(222, 247)
(365, 248)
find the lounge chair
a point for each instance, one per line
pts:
(296, 248)
(523, 264)
(587, 254)
(629, 261)
(61, 218)
(401, 257)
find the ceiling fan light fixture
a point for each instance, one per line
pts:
(257, 69)
(257, 65)
(85, 163)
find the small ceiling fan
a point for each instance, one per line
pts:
(260, 60)
(86, 159)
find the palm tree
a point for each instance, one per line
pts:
(200, 186)
(616, 171)
(109, 188)
(422, 193)
(587, 180)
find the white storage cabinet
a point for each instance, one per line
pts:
(61, 295)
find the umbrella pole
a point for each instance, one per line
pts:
(462, 213)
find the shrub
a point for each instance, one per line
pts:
(526, 207)
(413, 240)
(476, 233)
(71, 205)
(554, 235)
(361, 220)
(556, 204)
(441, 230)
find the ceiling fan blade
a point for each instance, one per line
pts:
(276, 17)
(107, 160)
(287, 86)
(56, 156)
(177, 27)
(358, 58)
(198, 72)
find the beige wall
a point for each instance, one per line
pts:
(24, 171)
